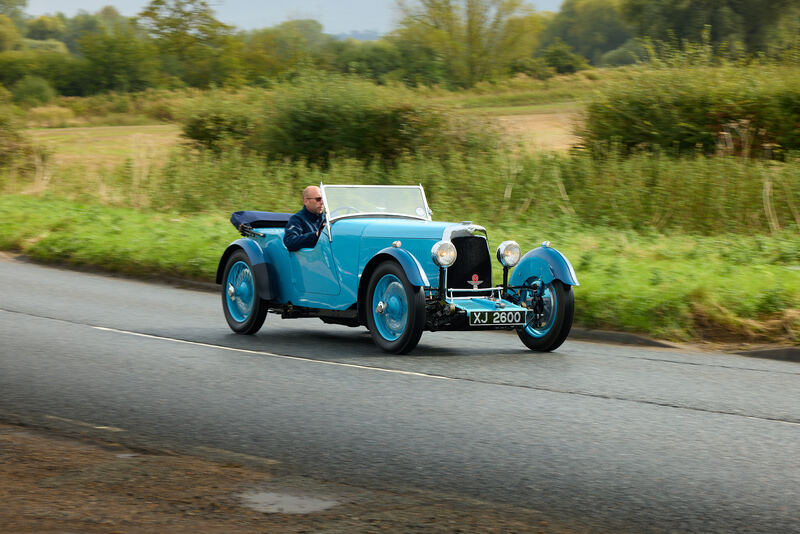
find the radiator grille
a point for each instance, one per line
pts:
(473, 258)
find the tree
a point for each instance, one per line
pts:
(10, 37)
(784, 39)
(590, 27)
(370, 59)
(108, 19)
(748, 22)
(14, 9)
(420, 64)
(194, 46)
(45, 27)
(477, 39)
(119, 60)
(286, 48)
(178, 25)
(81, 24)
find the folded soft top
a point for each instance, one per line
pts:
(259, 219)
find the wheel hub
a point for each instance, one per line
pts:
(393, 307)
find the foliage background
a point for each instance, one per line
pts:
(180, 43)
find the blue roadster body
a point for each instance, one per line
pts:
(381, 262)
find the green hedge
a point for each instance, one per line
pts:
(753, 111)
(318, 119)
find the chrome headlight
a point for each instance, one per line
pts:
(444, 254)
(509, 253)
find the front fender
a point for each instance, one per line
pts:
(414, 271)
(546, 264)
(257, 260)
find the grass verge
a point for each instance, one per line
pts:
(677, 287)
(118, 240)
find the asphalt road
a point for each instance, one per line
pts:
(610, 437)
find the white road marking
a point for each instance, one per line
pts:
(84, 424)
(273, 355)
(440, 377)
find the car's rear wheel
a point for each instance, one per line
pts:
(244, 310)
(395, 309)
(546, 330)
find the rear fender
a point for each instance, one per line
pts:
(411, 266)
(546, 264)
(257, 260)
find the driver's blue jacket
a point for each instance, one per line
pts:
(301, 230)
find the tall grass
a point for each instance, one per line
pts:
(644, 192)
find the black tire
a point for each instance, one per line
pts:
(398, 327)
(243, 317)
(561, 316)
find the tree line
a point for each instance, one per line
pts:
(450, 43)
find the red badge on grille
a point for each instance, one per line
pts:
(475, 282)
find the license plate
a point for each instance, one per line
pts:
(497, 317)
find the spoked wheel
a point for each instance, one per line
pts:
(547, 326)
(244, 310)
(395, 309)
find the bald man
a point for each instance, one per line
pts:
(304, 227)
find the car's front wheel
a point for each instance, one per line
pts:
(395, 309)
(244, 310)
(549, 320)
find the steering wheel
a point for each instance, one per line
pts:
(344, 210)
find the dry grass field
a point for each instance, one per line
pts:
(97, 147)
(540, 131)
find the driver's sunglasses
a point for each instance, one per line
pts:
(318, 199)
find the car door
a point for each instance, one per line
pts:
(314, 271)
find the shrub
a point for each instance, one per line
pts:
(561, 57)
(46, 45)
(536, 68)
(747, 111)
(15, 148)
(32, 91)
(50, 117)
(320, 118)
(316, 120)
(220, 120)
(629, 53)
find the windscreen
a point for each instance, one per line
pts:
(390, 200)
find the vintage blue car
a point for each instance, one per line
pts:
(383, 263)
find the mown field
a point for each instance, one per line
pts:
(697, 248)
(106, 146)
